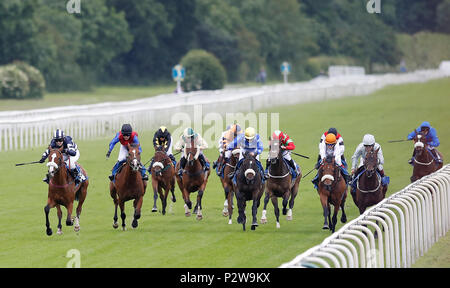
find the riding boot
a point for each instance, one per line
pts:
(266, 172)
(74, 173)
(46, 179)
(202, 159)
(182, 165)
(410, 161)
(293, 166)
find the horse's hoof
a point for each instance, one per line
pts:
(289, 218)
(230, 222)
(225, 214)
(49, 231)
(59, 232)
(284, 211)
(154, 209)
(134, 224)
(187, 214)
(115, 225)
(174, 199)
(124, 228)
(199, 217)
(69, 222)
(263, 220)
(325, 227)
(254, 225)
(243, 227)
(343, 219)
(76, 229)
(278, 225)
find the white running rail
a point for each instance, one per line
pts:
(21, 130)
(409, 223)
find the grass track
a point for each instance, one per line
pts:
(176, 241)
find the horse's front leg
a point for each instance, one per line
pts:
(326, 212)
(122, 213)
(50, 204)
(334, 219)
(241, 209)
(230, 205)
(264, 212)
(199, 205)
(59, 213)
(276, 210)
(69, 220)
(254, 212)
(137, 211)
(187, 203)
(155, 195)
(163, 197)
(285, 201)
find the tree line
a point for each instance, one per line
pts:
(138, 42)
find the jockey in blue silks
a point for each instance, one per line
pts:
(250, 142)
(125, 136)
(430, 137)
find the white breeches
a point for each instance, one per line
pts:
(70, 160)
(123, 153)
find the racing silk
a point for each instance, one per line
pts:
(198, 141)
(255, 145)
(165, 143)
(227, 137)
(431, 138)
(69, 147)
(360, 153)
(335, 151)
(119, 138)
(287, 142)
(339, 140)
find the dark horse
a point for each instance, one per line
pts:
(194, 179)
(128, 185)
(248, 186)
(423, 163)
(369, 188)
(279, 184)
(332, 190)
(227, 184)
(163, 177)
(62, 191)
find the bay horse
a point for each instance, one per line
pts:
(248, 187)
(63, 191)
(332, 190)
(423, 163)
(194, 179)
(128, 185)
(163, 177)
(227, 184)
(369, 188)
(279, 184)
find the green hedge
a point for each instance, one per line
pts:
(20, 80)
(203, 71)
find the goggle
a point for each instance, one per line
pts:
(59, 140)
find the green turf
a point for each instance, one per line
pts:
(174, 240)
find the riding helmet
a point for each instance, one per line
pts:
(58, 135)
(126, 130)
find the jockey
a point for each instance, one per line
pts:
(70, 153)
(125, 136)
(250, 142)
(430, 137)
(163, 138)
(188, 134)
(360, 154)
(227, 137)
(340, 141)
(331, 148)
(286, 144)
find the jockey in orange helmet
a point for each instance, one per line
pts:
(286, 144)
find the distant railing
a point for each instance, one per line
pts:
(33, 128)
(392, 234)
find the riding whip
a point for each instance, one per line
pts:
(308, 173)
(300, 155)
(394, 141)
(34, 162)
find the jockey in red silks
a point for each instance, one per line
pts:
(125, 136)
(286, 144)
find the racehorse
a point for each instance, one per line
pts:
(423, 163)
(369, 188)
(194, 179)
(248, 186)
(128, 185)
(163, 177)
(332, 190)
(63, 191)
(279, 184)
(227, 184)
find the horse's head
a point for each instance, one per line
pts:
(419, 143)
(275, 151)
(235, 156)
(249, 167)
(55, 161)
(160, 160)
(328, 171)
(134, 157)
(371, 161)
(191, 152)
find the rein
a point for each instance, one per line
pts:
(369, 191)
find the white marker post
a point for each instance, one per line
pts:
(285, 70)
(178, 76)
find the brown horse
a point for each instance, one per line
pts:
(332, 190)
(62, 191)
(279, 184)
(423, 163)
(249, 187)
(227, 184)
(369, 188)
(128, 185)
(163, 177)
(194, 179)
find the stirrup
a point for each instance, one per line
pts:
(111, 177)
